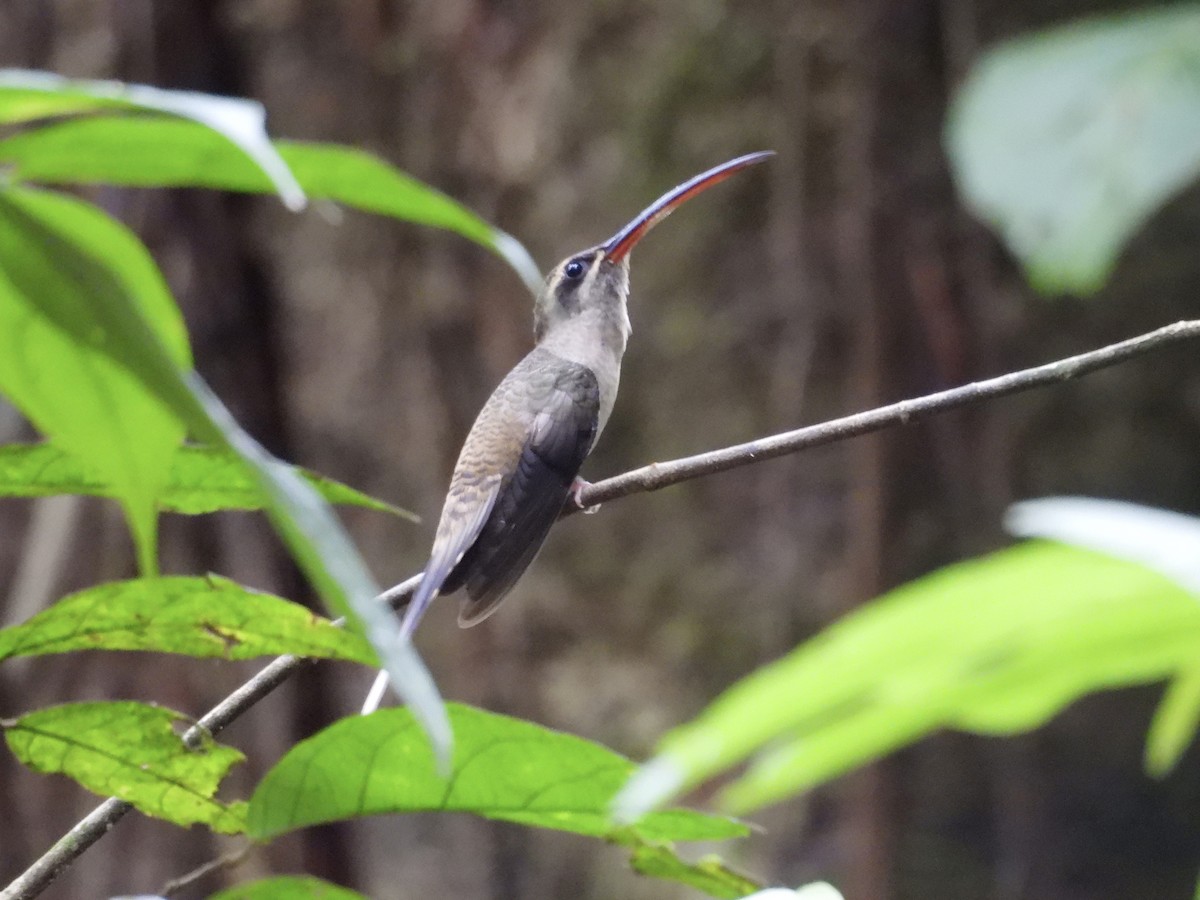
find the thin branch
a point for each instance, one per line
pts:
(648, 478)
(660, 475)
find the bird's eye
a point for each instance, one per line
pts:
(575, 269)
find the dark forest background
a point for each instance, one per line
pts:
(842, 275)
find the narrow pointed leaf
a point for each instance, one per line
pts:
(287, 887)
(240, 124)
(106, 316)
(503, 769)
(1174, 726)
(1067, 141)
(206, 617)
(201, 480)
(130, 751)
(163, 152)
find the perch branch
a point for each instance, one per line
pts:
(660, 475)
(648, 478)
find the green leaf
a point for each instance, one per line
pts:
(201, 480)
(503, 769)
(287, 887)
(1067, 141)
(66, 273)
(996, 646)
(1174, 725)
(130, 751)
(710, 874)
(70, 296)
(206, 617)
(162, 152)
(239, 124)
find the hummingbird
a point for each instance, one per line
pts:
(520, 462)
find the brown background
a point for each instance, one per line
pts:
(839, 276)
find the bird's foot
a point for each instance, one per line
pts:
(577, 487)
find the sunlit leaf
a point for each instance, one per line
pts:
(1174, 726)
(996, 645)
(1068, 140)
(131, 751)
(163, 152)
(201, 480)
(211, 617)
(26, 95)
(503, 769)
(68, 279)
(287, 887)
(61, 284)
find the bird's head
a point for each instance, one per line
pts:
(597, 279)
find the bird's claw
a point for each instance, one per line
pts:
(577, 487)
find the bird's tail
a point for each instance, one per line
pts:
(421, 598)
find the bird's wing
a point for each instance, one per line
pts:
(466, 511)
(529, 502)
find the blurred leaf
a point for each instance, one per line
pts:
(86, 311)
(1067, 141)
(67, 275)
(201, 480)
(1168, 542)
(239, 125)
(161, 152)
(287, 887)
(503, 769)
(130, 751)
(207, 617)
(1174, 724)
(996, 645)
(1165, 541)
(709, 875)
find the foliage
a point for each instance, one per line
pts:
(93, 350)
(503, 769)
(205, 617)
(1068, 140)
(97, 359)
(198, 480)
(287, 887)
(994, 646)
(131, 751)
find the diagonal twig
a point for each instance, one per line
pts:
(648, 478)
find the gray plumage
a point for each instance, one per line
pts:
(521, 457)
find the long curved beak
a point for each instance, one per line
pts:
(618, 246)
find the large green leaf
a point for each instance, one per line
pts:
(503, 768)
(1068, 140)
(67, 273)
(287, 887)
(996, 646)
(60, 287)
(240, 125)
(209, 616)
(131, 751)
(1167, 542)
(162, 152)
(201, 480)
